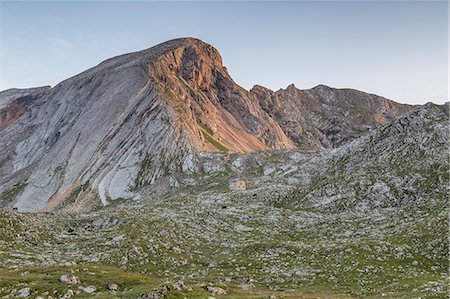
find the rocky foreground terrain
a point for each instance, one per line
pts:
(129, 164)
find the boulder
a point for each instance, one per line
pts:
(113, 287)
(88, 290)
(69, 279)
(23, 293)
(157, 293)
(216, 290)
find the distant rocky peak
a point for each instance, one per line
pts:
(260, 89)
(291, 87)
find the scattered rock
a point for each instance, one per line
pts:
(157, 293)
(216, 290)
(180, 286)
(69, 279)
(113, 287)
(23, 293)
(89, 289)
(68, 295)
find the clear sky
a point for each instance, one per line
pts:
(395, 49)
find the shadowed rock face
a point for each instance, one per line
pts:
(135, 118)
(325, 117)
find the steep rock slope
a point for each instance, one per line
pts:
(204, 95)
(107, 127)
(16, 125)
(325, 117)
(135, 118)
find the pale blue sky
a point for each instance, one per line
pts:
(395, 49)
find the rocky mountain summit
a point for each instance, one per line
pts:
(143, 117)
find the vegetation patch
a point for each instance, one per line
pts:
(214, 142)
(145, 167)
(13, 192)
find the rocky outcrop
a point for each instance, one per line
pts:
(219, 114)
(401, 164)
(134, 119)
(325, 117)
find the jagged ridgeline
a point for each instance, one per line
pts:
(138, 118)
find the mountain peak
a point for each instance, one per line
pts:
(188, 48)
(321, 87)
(260, 89)
(291, 87)
(194, 47)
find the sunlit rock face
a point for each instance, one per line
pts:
(137, 118)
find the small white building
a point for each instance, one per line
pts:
(238, 184)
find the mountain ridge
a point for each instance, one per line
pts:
(142, 116)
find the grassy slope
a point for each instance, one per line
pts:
(45, 280)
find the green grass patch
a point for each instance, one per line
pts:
(214, 142)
